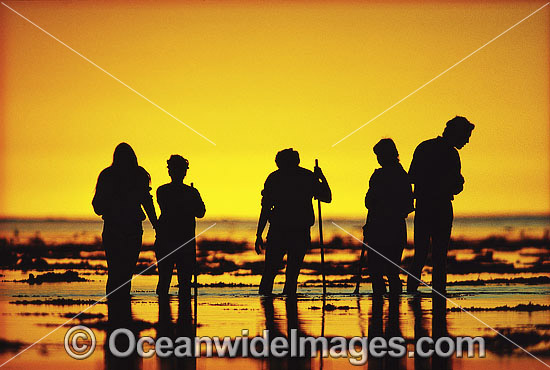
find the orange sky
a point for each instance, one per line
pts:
(259, 77)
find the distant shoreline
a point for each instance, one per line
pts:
(254, 219)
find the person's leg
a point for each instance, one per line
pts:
(185, 263)
(375, 268)
(165, 269)
(133, 246)
(440, 245)
(378, 283)
(298, 246)
(274, 253)
(395, 253)
(113, 244)
(422, 220)
(396, 287)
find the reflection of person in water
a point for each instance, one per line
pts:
(179, 205)
(119, 316)
(389, 201)
(376, 329)
(286, 204)
(420, 331)
(439, 330)
(293, 323)
(435, 173)
(121, 190)
(183, 328)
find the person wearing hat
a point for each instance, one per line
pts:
(435, 173)
(179, 205)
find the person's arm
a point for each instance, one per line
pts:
(457, 184)
(262, 221)
(370, 197)
(267, 204)
(199, 209)
(414, 169)
(100, 197)
(149, 207)
(322, 192)
(408, 197)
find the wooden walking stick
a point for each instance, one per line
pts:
(196, 283)
(321, 240)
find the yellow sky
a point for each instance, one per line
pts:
(259, 77)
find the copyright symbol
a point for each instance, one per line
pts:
(79, 342)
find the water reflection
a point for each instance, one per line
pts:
(183, 327)
(273, 324)
(420, 330)
(392, 329)
(374, 317)
(439, 329)
(119, 311)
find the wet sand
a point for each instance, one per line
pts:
(513, 298)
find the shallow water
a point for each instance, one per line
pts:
(86, 231)
(226, 311)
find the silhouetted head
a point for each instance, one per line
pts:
(386, 152)
(458, 131)
(124, 157)
(125, 167)
(177, 167)
(287, 158)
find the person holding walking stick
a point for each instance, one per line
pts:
(287, 205)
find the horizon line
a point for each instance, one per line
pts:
(7, 218)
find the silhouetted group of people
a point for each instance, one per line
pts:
(435, 174)
(123, 192)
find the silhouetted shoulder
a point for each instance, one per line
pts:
(375, 176)
(427, 144)
(171, 189)
(272, 176)
(163, 188)
(305, 171)
(105, 174)
(143, 176)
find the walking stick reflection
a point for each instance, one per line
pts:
(321, 245)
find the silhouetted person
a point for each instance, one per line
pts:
(389, 201)
(286, 204)
(179, 205)
(435, 173)
(122, 190)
